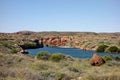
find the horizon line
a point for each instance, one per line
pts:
(59, 31)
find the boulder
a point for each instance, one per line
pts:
(24, 52)
(96, 60)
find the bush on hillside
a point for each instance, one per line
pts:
(112, 49)
(107, 58)
(101, 48)
(57, 57)
(14, 50)
(43, 55)
(117, 58)
(1, 55)
(118, 50)
(59, 76)
(28, 46)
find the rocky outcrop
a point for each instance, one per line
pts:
(96, 60)
(24, 52)
(56, 41)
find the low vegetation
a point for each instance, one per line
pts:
(43, 55)
(101, 48)
(46, 66)
(113, 49)
(15, 50)
(82, 40)
(48, 56)
(25, 67)
(57, 57)
(28, 45)
(110, 49)
(107, 58)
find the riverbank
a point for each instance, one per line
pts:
(25, 67)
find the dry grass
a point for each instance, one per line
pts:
(23, 67)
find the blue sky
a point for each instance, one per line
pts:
(60, 15)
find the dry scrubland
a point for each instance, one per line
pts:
(82, 40)
(25, 67)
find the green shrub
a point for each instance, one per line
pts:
(118, 50)
(63, 76)
(102, 77)
(46, 74)
(101, 48)
(73, 69)
(117, 58)
(107, 58)
(43, 55)
(113, 49)
(57, 57)
(1, 55)
(39, 66)
(28, 46)
(59, 76)
(15, 50)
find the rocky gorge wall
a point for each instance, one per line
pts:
(67, 41)
(56, 41)
(83, 41)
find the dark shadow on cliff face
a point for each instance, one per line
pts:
(33, 45)
(39, 44)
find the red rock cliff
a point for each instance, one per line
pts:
(56, 41)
